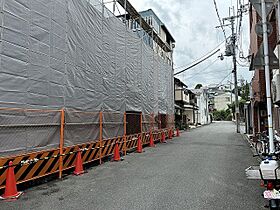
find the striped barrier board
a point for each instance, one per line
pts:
(35, 165)
(30, 166)
(90, 152)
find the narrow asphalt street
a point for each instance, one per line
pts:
(202, 169)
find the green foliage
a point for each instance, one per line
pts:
(198, 86)
(245, 91)
(223, 115)
(231, 107)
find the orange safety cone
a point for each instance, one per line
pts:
(177, 132)
(163, 137)
(79, 170)
(139, 145)
(11, 192)
(170, 133)
(117, 156)
(152, 144)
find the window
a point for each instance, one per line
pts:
(149, 20)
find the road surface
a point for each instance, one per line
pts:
(202, 169)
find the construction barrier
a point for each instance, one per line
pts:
(71, 127)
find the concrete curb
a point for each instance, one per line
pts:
(251, 145)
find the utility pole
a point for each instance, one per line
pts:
(237, 114)
(231, 19)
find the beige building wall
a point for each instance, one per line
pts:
(190, 116)
(222, 101)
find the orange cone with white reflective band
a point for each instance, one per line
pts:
(139, 145)
(177, 132)
(163, 137)
(117, 156)
(79, 170)
(11, 192)
(152, 144)
(170, 133)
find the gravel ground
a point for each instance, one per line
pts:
(202, 169)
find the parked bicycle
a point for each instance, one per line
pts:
(262, 145)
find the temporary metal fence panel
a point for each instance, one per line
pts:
(113, 124)
(81, 127)
(23, 131)
(170, 121)
(147, 122)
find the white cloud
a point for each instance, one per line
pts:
(192, 24)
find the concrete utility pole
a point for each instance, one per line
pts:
(237, 114)
(231, 19)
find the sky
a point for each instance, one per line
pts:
(193, 24)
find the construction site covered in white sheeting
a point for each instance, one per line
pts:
(77, 56)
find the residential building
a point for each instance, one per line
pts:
(203, 101)
(181, 98)
(220, 96)
(191, 106)
(159, 28)
(154, 27)
(223, 100)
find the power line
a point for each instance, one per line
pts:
(193, 65)
(223, 80)
(211, 72)
(202, 56)
(199, 72)
(240, 19)
(220, 21)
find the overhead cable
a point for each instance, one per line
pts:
(195, 64)
(223, 80)
(202, 71)
(203, 55)
(220, 21)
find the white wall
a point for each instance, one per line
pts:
(202, 114)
